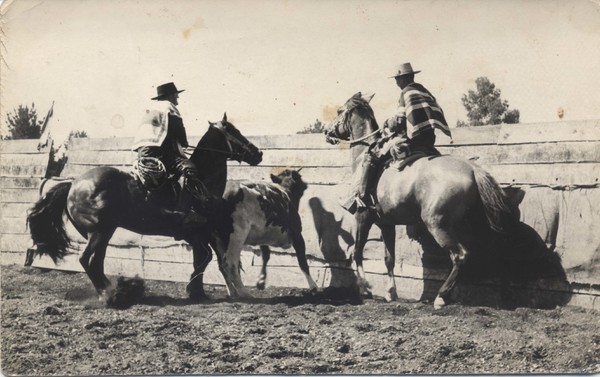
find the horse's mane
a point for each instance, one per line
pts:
(358, 102)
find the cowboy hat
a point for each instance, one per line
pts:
(166, 90)
(404, 69)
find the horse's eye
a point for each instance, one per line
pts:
(339, 111)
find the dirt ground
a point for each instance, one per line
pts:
(53, 324)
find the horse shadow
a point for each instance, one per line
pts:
(510, 270)
(329, 231)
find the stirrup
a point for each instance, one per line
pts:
(349, 205)
(355, 203)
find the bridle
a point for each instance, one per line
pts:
(230, 139)
(345, 116)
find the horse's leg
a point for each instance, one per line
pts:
(93, 256)
(221, 244)
(388, 233)
(364, 221)
(458, 254)
(202, 255)
(220, 249)
(265, 253)
(230, 266)
(300, 247)
(447, 238)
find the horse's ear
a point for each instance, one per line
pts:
(357, 95)
(225, 117)
(368, 97)
(210, 123)
(275, 179)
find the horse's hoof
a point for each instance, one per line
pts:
(391, 296)
(364, 288)
(439, 303)
(260, 285)
(103, 293)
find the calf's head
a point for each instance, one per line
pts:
(292, 182)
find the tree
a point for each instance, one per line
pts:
(77, 134)
(316, 128)
(484, 106)
(23, 123)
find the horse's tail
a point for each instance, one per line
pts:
(495, 203)
(46, 222)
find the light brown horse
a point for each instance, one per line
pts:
(450, 195)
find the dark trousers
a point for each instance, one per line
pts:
(425, 139)
(173, 162)
(195, 192)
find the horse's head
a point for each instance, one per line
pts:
(240, 148)
(355, 119)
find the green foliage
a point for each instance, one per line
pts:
(23, 123)
(77, 134)
(315, 128)
(484, 106)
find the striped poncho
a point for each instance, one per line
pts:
(421, 111)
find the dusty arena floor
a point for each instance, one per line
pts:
(52, 324)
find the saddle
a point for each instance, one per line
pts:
(404, 155)
(165, 189)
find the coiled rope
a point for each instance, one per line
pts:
(151, 172)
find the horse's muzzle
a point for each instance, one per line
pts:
(257, 160)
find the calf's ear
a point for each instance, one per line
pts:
(275, 179)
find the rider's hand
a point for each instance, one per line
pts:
(332, 140)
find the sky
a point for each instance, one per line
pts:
(276, 66)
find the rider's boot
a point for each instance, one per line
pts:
(196, 202)
(185, 216)
(361, 198)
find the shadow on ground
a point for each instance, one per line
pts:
(514, 269)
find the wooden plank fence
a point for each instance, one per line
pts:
(556, 167)
(22, 168)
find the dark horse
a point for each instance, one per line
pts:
(105, 198)
(450, 195)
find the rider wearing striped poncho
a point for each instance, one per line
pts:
(412, 128)
(418, 112)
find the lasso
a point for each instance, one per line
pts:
(151, 172)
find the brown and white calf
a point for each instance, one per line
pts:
(261, 214)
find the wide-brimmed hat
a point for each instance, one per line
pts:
(166, 90)
(404, 69)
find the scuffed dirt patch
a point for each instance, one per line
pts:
(53, 324)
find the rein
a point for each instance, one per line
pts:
(344, 118)
(229, 139)
(354, 141)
